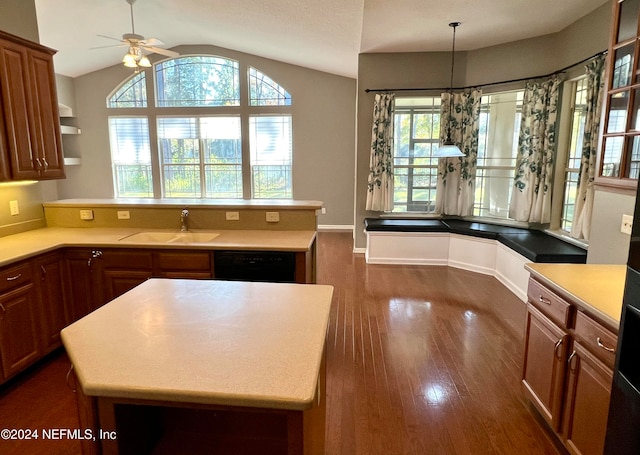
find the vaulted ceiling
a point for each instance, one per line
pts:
(325, 35)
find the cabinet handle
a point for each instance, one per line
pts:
(46, 165)
(544, 300)
(95, 254)
(44, 270)
(13, 278)
(603, 346)
(570, 360)
(68, 379)
(39, 163)
(558, 344)
(3, 311)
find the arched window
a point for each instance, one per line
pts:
(194, 128)
(263, 91)
(133, 93)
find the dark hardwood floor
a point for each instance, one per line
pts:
(421, 360)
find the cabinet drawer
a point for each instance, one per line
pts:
(14, 276)
(596, 338)
(548, 302)
(184, 260)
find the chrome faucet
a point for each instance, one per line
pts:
(184, 220)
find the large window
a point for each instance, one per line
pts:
(416, 137)
(201, 137)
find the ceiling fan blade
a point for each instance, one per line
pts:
(110, 37)
(159, 50)
(151, 42)
(110, 45)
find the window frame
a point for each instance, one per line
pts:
(245, 110)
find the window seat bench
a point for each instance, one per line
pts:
(486, 248)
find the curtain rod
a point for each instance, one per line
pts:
(367, 90)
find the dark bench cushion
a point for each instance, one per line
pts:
(397, 225)
(535, 245)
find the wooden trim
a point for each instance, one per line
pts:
(25, 42)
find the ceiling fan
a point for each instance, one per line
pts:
(139, 46)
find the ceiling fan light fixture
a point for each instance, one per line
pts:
(144, 62)
(449, 149)
(129, 60)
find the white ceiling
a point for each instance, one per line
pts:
(326, 35)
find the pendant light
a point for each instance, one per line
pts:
(448, 148)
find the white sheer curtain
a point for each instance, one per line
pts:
(380, 181)
(455, 187)
(581, 226)
(531, 198)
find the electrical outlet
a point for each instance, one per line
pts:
(86, 215)
(124, 215)
(13, 208)
(324, 210)
(273, 217)
(233, 216)
(627, 223)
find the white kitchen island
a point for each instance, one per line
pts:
(203, 366)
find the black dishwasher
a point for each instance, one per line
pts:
(279, 266)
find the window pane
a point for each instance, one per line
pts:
(201, 156)
(416, 137)
(500, 116)
(271, 156)
(131, 156)
(132, 93)
(198, 81)
(263, 91)
(612, 156)
(572, 169)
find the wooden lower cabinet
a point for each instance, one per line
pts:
(19, 328)
(567, 370)
(49, 278)
(545, 365)
(587, 402)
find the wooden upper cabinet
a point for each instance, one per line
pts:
(31, 143)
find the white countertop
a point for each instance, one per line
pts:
(30, 243)
(205, 341)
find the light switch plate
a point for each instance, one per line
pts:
(124, 215)
(13, 208)
(233, 216)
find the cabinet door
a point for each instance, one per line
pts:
(545, 355)
(124, 269)
(587, 402)
(46, 119)
(18, 111)
(50, 281)
(82, 269)
(19, 346)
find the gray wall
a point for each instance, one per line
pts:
(526, 58)
(323, 136)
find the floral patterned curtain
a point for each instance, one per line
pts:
(380, 182)
(456, 176)
(581, 227)
(531, 198)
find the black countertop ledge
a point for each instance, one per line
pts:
(533, 244)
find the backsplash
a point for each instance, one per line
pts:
(28, 197)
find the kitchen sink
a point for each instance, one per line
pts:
(170, 237)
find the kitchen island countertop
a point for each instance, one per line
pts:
(207, 342)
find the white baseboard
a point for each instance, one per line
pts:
(336, 227)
